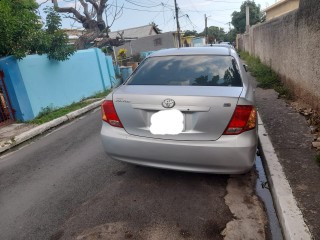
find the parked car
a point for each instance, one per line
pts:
(225, 43)
(189, 109)
(220, 45)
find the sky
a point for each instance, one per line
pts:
(142, 12)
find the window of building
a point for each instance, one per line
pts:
(157, 42)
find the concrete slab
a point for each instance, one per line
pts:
(289, 214)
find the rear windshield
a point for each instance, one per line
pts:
(196, 70)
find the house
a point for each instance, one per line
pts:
(74, 34)
(198, 42)
(281, 7)
(135, 33)
(150, 43)
(186, 41)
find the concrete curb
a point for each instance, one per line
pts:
(46, 126)
(290, 216)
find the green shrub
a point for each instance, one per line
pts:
(49, 113)
(265, 76)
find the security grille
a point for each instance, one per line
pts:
(6, 111)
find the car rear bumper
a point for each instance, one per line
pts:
(227, 155)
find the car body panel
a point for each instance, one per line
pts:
(207, 110)
(228, 155)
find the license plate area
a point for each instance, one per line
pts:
(167, 122)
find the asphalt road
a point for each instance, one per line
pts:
(63, 186)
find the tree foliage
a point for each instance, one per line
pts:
(156, 27)
(57, 46)
(18, 25)
(239, 18)
(190, 33)
(21, 31)
(214, 34)
(231, 35)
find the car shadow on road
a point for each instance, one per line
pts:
(148, 203)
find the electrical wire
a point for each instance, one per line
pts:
(135, 4)
(141, 10)
(167, 10)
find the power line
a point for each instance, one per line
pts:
(145, 6)
(141, 10)
(210, 10)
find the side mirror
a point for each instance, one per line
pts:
(245, 67)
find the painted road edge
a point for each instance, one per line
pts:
(290, 216)
(47, 126)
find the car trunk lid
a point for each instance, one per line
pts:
(206, 110)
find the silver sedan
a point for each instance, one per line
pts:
(189, 109)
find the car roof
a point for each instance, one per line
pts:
(219, 45)
(193, 51)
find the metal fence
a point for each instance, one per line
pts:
(6, 111)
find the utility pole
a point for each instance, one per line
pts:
(247, 18)
(178, 25)
(229, 26)
(206, 28)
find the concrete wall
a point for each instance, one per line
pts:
(291, 46)
(280, 8)
(198, 42)
(35, 82)
(145, 44)
(16, 89)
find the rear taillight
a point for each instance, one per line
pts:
(109, 114)
(244, 119)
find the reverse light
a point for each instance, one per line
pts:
(109, 114)
(244, 119)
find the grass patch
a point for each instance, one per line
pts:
(317, 159)
(99, 94)
(265, 76)
(49, 113)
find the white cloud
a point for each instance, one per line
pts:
(197, 4)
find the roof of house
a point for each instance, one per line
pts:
(137, 32)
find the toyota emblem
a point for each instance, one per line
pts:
(168, 103)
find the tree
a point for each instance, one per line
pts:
(57, 46)
(190, 33)
(214, 32)
(239, 18)
(21, 32)
(92, 20)
(156, 27)
(231, 35)
(18, 23)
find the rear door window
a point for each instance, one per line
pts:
(195, 70)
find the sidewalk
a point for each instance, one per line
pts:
(292, 140)
(7, 133)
